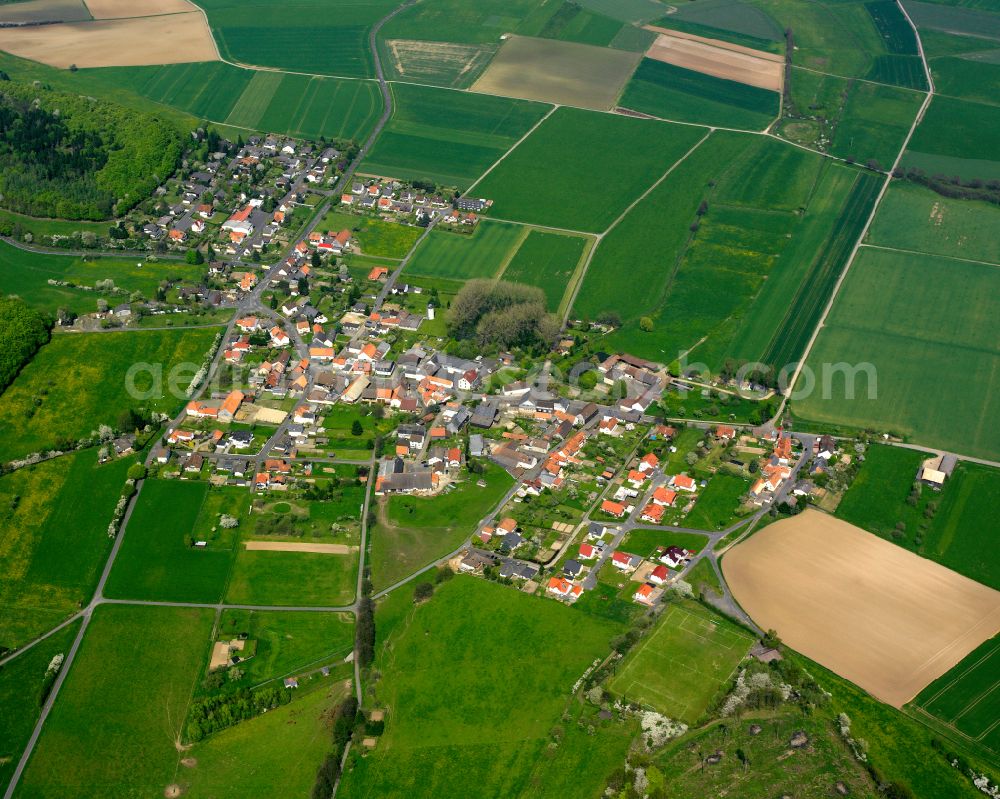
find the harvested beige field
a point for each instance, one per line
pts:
(876, 614)
(118, 9)
(558, 72)
(296, 546)
(168, 39)
(717, 58)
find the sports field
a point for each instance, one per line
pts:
(579, 187)
(912, 217)
(967, 698)
(447, 136)
(672, 92)
(910, 316)
(448, 737)
(462, 257)
(880, 616)
(553, 71)
(112, 734)
(80, 379)
(549, 261)
(53, 539)
(681, 666)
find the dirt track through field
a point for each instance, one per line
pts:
(717, 58)
(296, 546)
(884, 618)
(167, 39)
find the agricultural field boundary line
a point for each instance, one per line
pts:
(928, 97)
(858, 80)
(513, 147)
(621, 216)
(523, 237)
(933, 254)
(577, 277)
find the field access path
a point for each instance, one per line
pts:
(251, 303)
(928, 97)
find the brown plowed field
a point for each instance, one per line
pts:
(884, 618)
(717, 58)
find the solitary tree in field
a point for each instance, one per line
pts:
(356, 428)
(646, 324)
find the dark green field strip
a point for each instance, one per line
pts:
(892, 26)
(548, 261)
(672, 92)
(805, 310)
(961, 129)
(679, 23)
(962, 693)
(899, 70)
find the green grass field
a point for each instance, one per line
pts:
(414, 531)
(298, 105)
(457, 21)
(472, 733)
(78, 381)
(53, 539)
(966, 697)
(581, 187)
(297, 36)
(680, 668)
(290, 741)
(910, 316)
(22, 684)
(113, 730)
(375, 236)
(293, 578)
(957, 137)
(955, 532)
(670, 92)
(912, 217)
(548, 261)
(446, 136)
(155, 562)
(288, 642)
(716, 506)
(40, 226)
(27, 274)
(462, 257)
(645, 542)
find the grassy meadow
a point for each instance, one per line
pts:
(912, 217)
(375, 236)
(27, 274)
(955, 531)
(957, 137)
(458, 256)
(53, 539)
(684, 663)
(113, 730)
(670, 92)
(290, 741)
(910, 316)
(78, 381)
(581, 187)
(548, 261)
(293, 578)
(23, 686)
(474, 733)
(156, 562)
(414, 531)
(446, 136)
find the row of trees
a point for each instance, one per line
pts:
(215, 713)
(345, 719)
(22, 331)
(496, 313)
(73, 157)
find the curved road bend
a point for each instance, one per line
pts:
(251, 302)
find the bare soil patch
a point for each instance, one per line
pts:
(299, 546)
(168, 39)
(119, 9)
(718, 58)
(876, 614)
(172, 791)
(557, 72)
